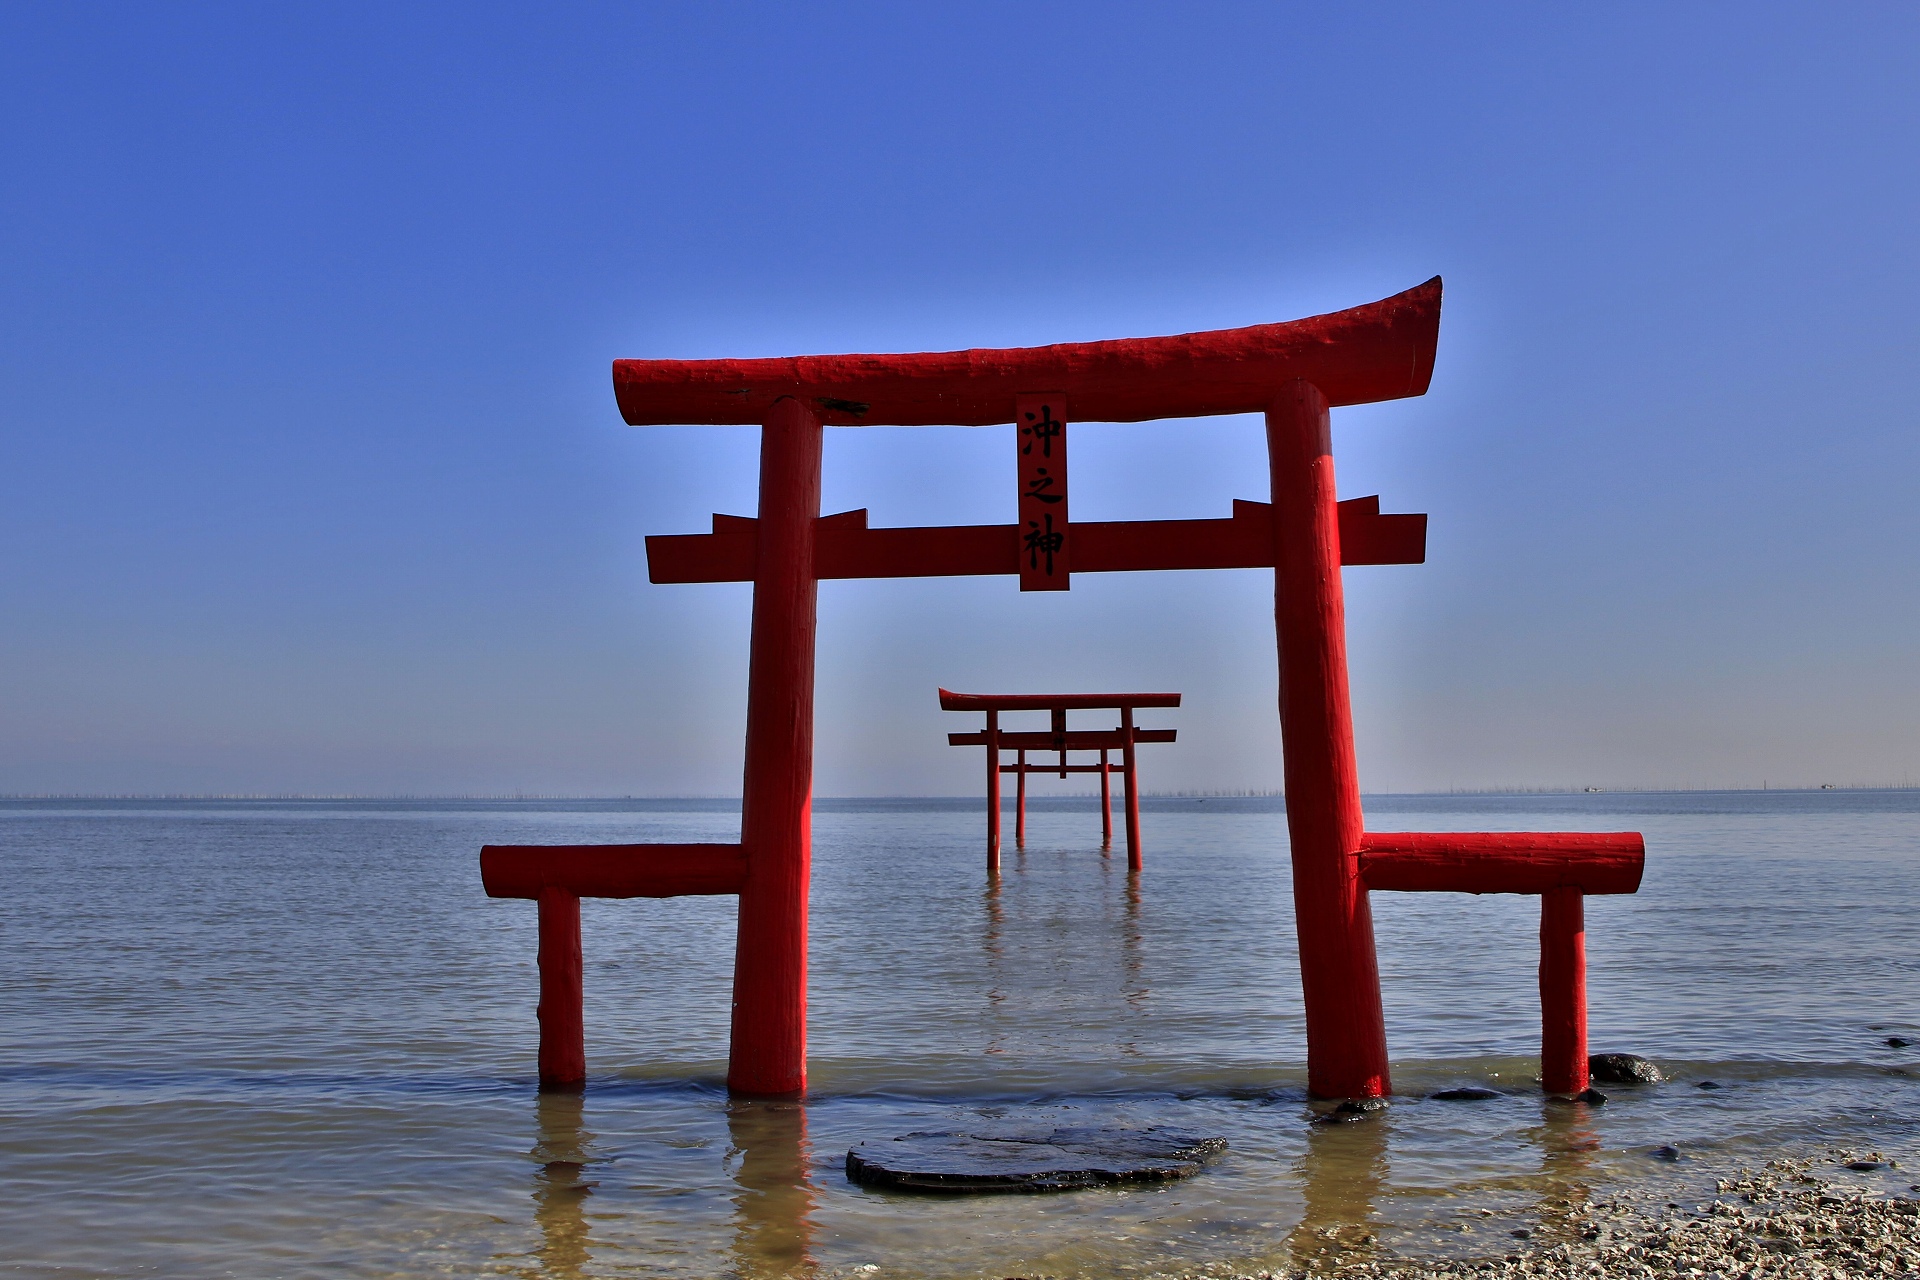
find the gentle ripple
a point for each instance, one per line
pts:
(294, 1039)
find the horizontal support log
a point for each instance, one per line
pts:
(1381, 351)
(1503, 861)
(951, 701)
(612, 870)
(1073, 740)
(844, 547)
(1115, 767)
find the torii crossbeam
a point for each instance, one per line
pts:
(1293, 373)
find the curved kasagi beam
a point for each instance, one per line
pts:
(1382, 351)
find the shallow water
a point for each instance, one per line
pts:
(295, 1039)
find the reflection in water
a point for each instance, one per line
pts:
(1567, 1141)
(560, 1189)
(772, 1213)
(1342, 1172)
(990, 942)
(1132, 947)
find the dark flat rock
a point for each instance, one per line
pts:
(1467, 1093)
(1054, 1160)
(1623, 1068)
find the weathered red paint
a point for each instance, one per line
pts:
(563, 1036)
(769, 1053)
(1381, 351)
(1346, 1030)
(846, 548)
(1563, 991)
(1503, 861)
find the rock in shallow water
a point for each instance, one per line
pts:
(1623, 1068)
(1351, 1110)
(1057, 1160)
(1470, 1093)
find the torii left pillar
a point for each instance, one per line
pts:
(769, 1053)
(1346, 1029)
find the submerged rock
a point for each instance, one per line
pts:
(1056, 1160)
(1351, 1110)
(1897, 1042)
(1665, 1153)
(1467, 1093)
(1623, 1068)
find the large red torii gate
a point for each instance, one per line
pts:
(1291, 372)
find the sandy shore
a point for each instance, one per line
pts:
(1781, 1220)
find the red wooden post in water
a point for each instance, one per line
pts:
(993, 792)
(1130, 779)
(1106, 801)
(1563, 992)
(1020, 801)
(770, 958)
(1346, 1030)
(562, 1014)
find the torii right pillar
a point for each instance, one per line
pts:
(1346, 1029)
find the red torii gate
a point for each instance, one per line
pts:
(1058, 738)
(1292, 373)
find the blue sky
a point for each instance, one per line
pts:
(311, 479)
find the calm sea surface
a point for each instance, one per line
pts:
(295, 1039)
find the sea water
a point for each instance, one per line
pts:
(295, 1039)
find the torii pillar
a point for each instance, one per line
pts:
(1346, 1029)
(769, 1055)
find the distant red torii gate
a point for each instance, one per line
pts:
(1291, 372)
(1059, 739)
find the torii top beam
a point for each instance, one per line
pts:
(1381, 351)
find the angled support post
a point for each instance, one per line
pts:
(769, 1054)
(1563, 992)
(562, 1012)
(1346, 1030)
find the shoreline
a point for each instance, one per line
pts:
(1781, 1219)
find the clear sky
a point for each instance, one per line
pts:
(311, 479)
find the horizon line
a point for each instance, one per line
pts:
(1228, 794)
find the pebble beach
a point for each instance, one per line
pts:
(1787, 1218)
